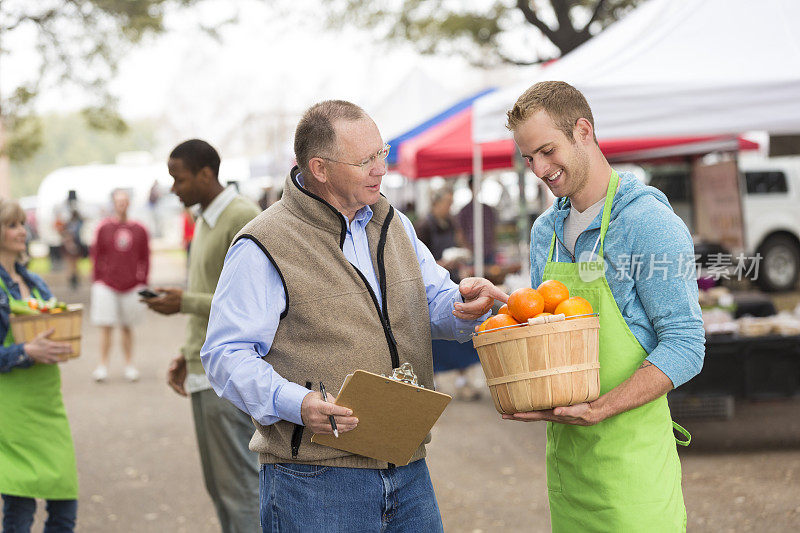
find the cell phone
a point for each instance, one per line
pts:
(147, 293)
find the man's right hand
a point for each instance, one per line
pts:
(43, 350)
(314, 411)
(176, 375)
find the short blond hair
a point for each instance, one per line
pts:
(563, 103)
(10, 212)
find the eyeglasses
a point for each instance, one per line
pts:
(368, 162)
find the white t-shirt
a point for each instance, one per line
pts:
(576, 222)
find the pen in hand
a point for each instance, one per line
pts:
(330, 417)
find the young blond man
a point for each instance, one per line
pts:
(612, 464)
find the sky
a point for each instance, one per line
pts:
(246, 92)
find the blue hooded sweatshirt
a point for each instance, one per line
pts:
(650, 268)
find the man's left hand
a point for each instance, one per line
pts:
(168, 302)
(581, 414)
(479, 295)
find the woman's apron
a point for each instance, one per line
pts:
(37, 457)
(623, 474)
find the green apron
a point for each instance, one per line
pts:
(623, 474)
(37, 457)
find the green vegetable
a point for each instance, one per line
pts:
(21, 308)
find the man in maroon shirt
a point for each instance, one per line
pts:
(121, 256)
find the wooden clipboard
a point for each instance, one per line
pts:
(393, 417)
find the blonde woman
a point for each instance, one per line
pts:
(37, 457)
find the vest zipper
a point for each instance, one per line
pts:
(383, 314)
(382, 283)
(297, 434)
(387, 330)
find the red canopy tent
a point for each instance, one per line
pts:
(446, 149)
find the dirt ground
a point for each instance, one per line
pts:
(139, 468)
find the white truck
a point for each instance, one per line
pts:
(770, 213)
(92, 186)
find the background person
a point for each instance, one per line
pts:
(37, 456)
(121, 254)
(71, 241)
(612, 464)
(437, 230)
(223, 432)
(465, 225)
(328, 280)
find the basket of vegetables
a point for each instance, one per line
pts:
(31, 317)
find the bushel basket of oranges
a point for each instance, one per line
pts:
(31, 317)
(541, 350)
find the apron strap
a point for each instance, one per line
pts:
(9, 338)
(684, 432)
(34, 291)
(612, 190)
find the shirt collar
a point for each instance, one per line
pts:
(23, 272)
(211, 213)
(363, 215)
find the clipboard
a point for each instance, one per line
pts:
(393, 417)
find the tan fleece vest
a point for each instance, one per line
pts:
(332, 325)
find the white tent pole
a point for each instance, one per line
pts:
(477, 210)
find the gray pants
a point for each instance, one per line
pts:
(230, 469)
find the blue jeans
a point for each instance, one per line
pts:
(298, 498)
(18, 515)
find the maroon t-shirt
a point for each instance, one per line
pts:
(121, 254)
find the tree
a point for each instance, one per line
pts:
(68, 140)
(487, 32)
(78, 43)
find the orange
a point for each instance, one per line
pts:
(482, 327)
(543, 314)
(574, 306)
(499, 321)
(503, 310)
(525, 303)
(554, 292)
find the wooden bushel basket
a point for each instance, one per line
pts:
(541, 366)
(67, 326)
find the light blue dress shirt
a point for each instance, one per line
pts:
(246, 310)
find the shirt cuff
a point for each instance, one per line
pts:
(465, 328)
(669, 370)
(288, 401)
(21, 359)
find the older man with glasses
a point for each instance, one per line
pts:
(328, 280)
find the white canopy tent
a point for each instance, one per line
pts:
(674, 68)
(679, 67)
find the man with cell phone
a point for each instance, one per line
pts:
(223, 432)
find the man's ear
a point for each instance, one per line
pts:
(206, 176)
(318, 169)
(583, 131)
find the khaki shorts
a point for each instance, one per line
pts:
(112, 308)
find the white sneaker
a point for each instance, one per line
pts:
(100, 373)
(131, 374)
